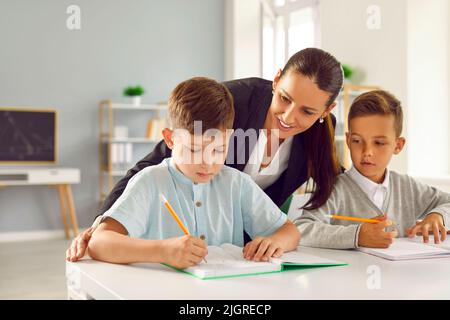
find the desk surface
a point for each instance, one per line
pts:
(414, 279)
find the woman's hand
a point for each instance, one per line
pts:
(78, 247)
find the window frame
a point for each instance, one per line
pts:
(270, 11)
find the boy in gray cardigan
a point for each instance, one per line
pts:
(370, 190)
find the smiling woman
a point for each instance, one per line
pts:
(303, 97)
(293, 110)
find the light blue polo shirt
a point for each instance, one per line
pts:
(219, 209)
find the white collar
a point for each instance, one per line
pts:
(365, 183)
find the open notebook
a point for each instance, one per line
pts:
(227, 261)
(407, 249)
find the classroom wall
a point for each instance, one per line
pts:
(448, 89)
(428, 87)
(243, 40)
(379, 55)
(42, 63)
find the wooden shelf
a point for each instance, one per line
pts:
(143, 107)
(107, 112)
(350, 91)
(115, 173)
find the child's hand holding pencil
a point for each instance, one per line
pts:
(377, 235)
(377, 232)
(185, 251)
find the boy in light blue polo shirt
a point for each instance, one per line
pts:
(211, 199)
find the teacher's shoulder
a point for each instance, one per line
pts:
(247, 85)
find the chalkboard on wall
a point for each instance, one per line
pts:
(27, 136)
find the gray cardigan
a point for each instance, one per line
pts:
(406, 201)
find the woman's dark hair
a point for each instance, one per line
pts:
(323, 166)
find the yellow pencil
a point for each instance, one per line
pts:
(177, 219)
(333, 216)
(174, 215)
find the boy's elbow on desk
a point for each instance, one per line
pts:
(100, 247)
(94, 247)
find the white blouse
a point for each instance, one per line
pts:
(268, 175)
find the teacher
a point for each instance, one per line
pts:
(296, 105)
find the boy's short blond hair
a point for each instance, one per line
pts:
(378, 102)
(201, 99)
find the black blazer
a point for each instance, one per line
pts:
(252, 99)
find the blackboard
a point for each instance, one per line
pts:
(27, 136)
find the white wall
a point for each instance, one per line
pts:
(43, 64)
(243, 39)
(410, 48)
(379, 55)
(428, 87)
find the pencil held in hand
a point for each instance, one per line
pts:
(333, 216)
(174, 215)
(177, 219)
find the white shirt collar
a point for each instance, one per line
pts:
(366, 184)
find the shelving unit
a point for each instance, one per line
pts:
(344, 100)
(107, 117)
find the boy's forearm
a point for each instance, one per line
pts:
(110, 246)
(287, 236)
(322, 235)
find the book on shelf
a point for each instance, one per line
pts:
(227, 260)
(121, 155)
(155, 128)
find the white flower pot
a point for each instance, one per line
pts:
(136, 100)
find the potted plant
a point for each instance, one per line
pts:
(135, 93)
(348, 72)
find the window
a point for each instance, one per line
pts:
(287, 27)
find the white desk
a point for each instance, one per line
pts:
(414, 279)
(61, 178)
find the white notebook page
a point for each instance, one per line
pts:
(404, 248)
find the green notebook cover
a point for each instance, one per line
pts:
(226, 261)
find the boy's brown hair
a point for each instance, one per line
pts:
(378, 102)
(201, 99)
